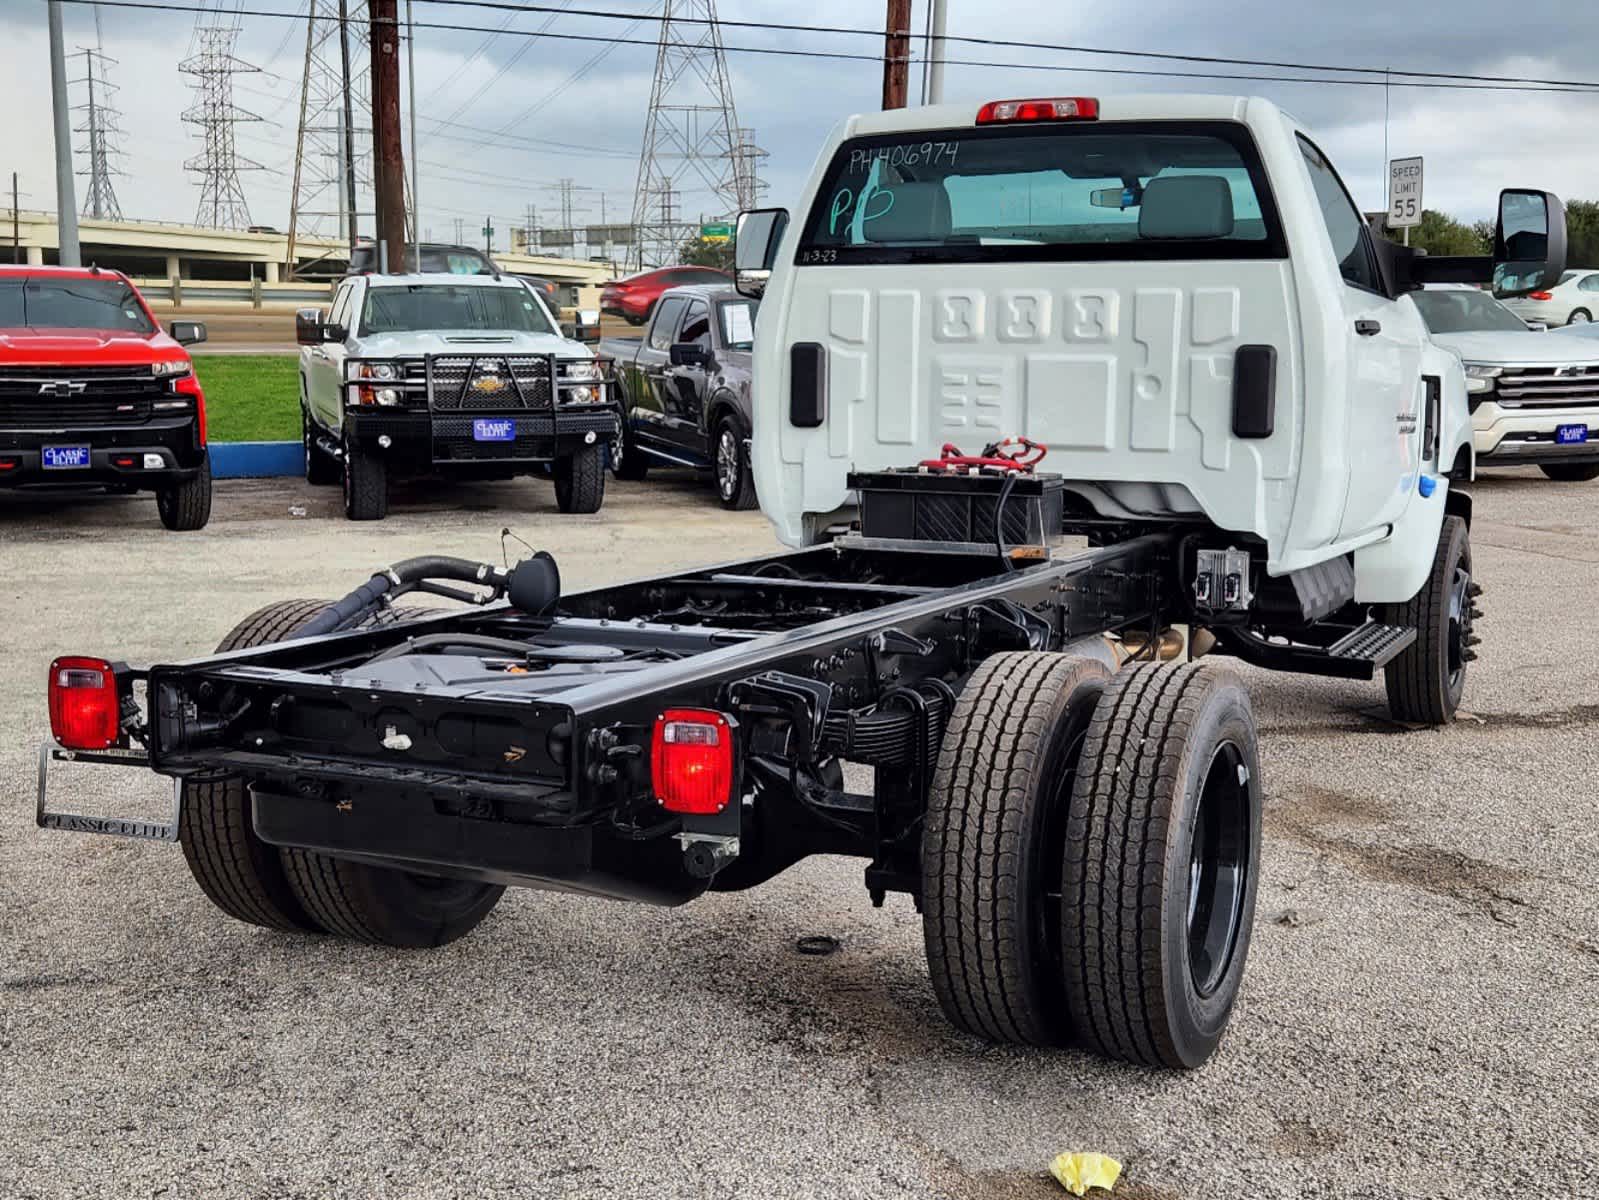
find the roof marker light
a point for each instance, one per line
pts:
(1059, 108)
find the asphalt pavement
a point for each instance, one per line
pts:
(1419, 1017)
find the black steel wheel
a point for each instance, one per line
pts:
(992, 844)
(1161, 864)
(1426, 681)
(735, 485)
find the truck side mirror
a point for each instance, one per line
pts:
(586, 325)
(688, 354)
(1529, 242)
(308, 326)
(760, 230)
(187, 333)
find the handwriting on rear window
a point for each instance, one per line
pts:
(914, 154)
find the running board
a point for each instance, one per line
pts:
(1359, 654)
(149, 831)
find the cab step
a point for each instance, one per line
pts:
(1359, 654)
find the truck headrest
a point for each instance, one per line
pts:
(919, 213)
(1186, 206)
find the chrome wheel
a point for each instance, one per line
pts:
(727, 462)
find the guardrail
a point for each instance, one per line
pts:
(255, 294)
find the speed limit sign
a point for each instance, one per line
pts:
(1404, 193)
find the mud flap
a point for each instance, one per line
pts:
(151, 831)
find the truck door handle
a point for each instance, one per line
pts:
(1368, 328)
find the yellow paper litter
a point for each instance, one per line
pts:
(1079, 1172)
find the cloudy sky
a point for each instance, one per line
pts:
(575, 109)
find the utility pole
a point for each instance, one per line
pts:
(933, 76)
(388, 143)
(896, 54)
(66, 198)
(16, 222)
(348, 121)
(416, 154)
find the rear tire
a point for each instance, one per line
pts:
(1426, 681)
(1579, 316)
(186, 506)
(735, 485)
(1570, 472)
(383, 906)
(238, 872)
(366, 484)
(580, 480)
(1162, 858)
(991, 849)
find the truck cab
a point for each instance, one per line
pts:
(94, 391)
(685, 389)
(1176, 293)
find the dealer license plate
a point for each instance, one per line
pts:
(493, 431)
(1570, 435)
(62, 458)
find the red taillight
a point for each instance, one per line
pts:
(1540, 296)
(691, 760)
(10, 464)
(188, 385)
(1060, 108)
(85, 713)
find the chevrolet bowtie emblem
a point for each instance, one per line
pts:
(488, 383)
(61, 388)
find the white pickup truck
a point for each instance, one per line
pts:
(1178, 295)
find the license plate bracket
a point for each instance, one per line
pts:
(64, 458)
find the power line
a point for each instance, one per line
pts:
(1005, 43)
(1474, 83)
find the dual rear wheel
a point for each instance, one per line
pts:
(301, 891)
(1090, 856)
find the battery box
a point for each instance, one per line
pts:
(951, 506)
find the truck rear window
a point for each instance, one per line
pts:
(1091, 192)
(108, 304)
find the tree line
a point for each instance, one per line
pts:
(1439, 233)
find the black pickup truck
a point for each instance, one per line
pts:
(685, 388)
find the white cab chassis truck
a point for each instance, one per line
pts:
(1179, 297)
(1243, 417)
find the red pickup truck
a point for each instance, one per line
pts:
(94, 391)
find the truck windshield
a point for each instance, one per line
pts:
(1465, 310)
(1098, 192)
(427, 307)
(107, 304)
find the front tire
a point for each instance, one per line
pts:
(366, 484)
(580, 480)
(185, 507)
(735, 485)
(1162, 859)
(1570, 472)
(991, 849)
(1426, 681)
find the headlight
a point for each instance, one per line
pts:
(166, 370)
(1480, 377)
(581, 369)
(389, 396)
(379, 370)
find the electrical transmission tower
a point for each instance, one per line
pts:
(101, 129)
(213, 66)
(691, 135)
(333, 151)
(752, 157)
